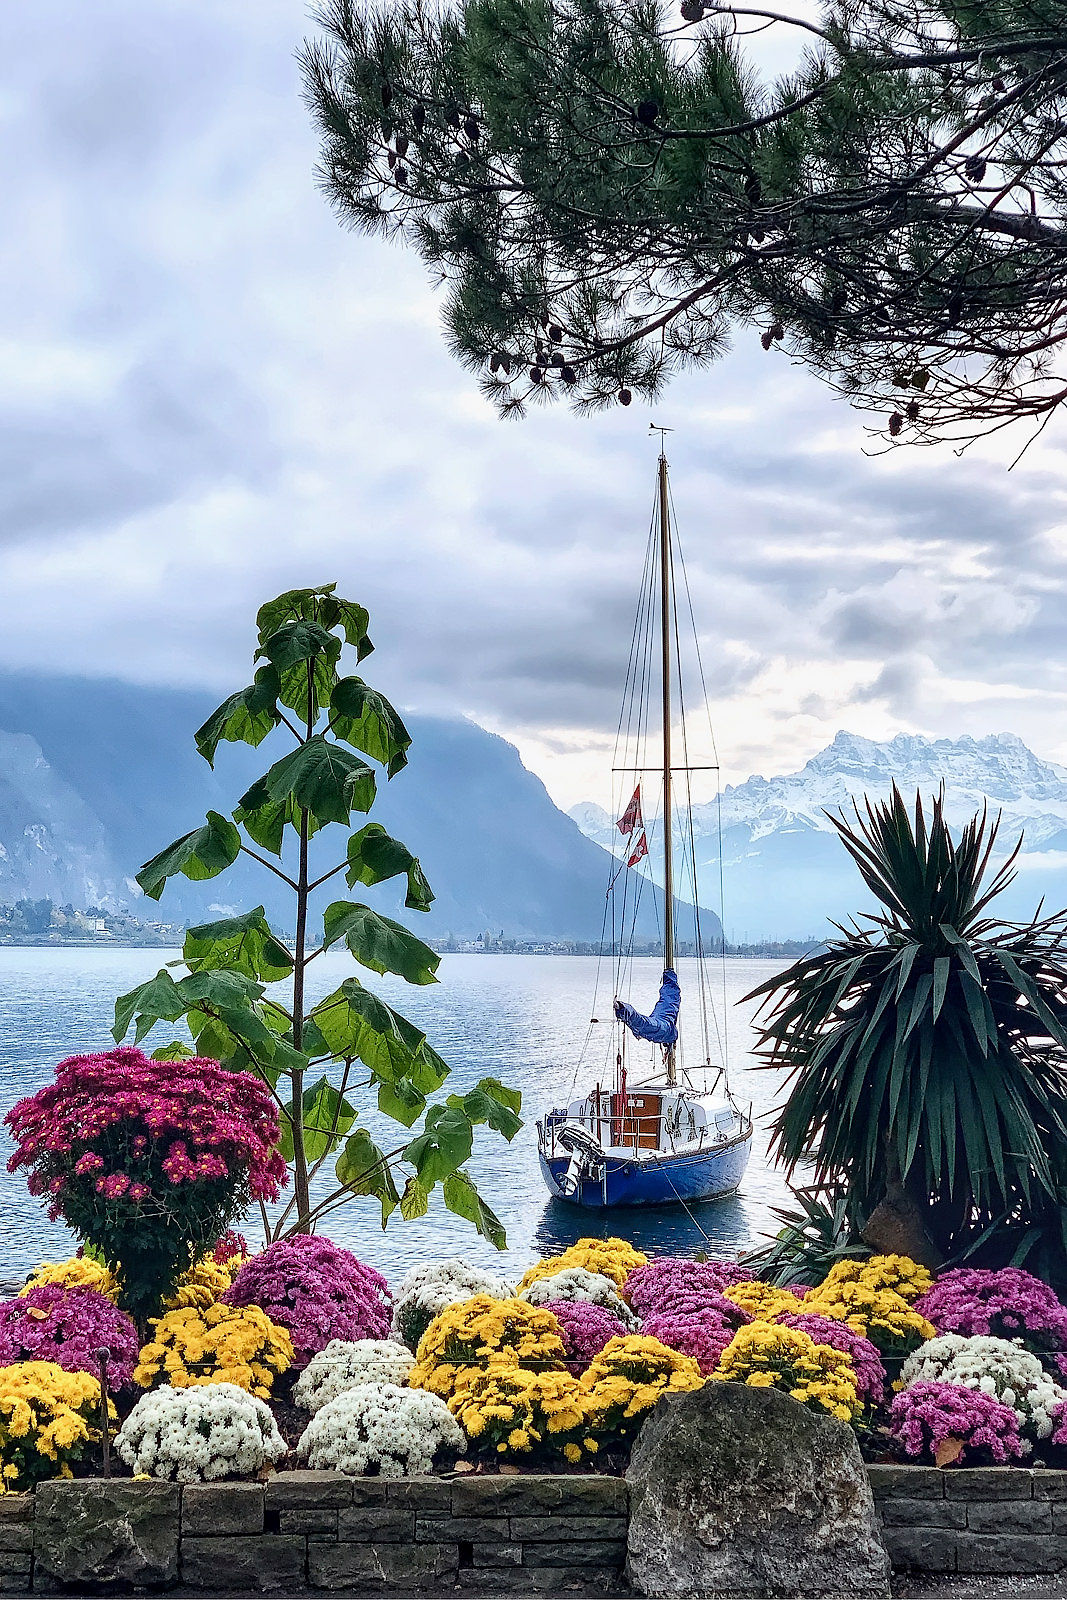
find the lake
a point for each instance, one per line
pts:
(520, 1018)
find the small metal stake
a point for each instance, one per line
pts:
(105, 1425)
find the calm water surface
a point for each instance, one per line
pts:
(521, 1018)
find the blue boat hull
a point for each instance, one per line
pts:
(664, 1180)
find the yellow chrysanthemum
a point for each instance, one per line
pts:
(765, 1356)
(511, 1410)
(216, 1344)
(77, 1273)
(627, 1378)
(201, 1286)
(468, 1334)
(612, 1258)
(881, 1315)
(47, 1416)
(761, 1300)
(900, 1274)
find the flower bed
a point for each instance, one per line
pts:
(560, 1374)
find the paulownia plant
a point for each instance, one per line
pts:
(926, 1052)
(243, 992)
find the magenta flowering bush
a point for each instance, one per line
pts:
(1007, 1303)
(673, 1283)
(68, 1326)
(1059, 1425)
(931, 1418)
(703, 1335)
(316, 1290)
(864, 1355)
(149, 1161)
(586, 1329)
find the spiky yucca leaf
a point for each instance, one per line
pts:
(927, 1044)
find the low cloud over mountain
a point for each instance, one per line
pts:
(786, 875)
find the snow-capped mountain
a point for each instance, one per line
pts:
(785, 872)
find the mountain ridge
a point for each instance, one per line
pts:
(786, 873)
(98, 775)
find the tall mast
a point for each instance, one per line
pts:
(665, 642)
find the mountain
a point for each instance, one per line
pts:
(96, 776)
(786, 875)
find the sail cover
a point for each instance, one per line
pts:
(662, 1026)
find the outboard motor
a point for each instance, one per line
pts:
(586, 1161)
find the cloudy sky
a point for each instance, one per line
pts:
(210, 392)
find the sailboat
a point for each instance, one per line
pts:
(665, 1132)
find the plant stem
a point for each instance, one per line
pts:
(302, 1193)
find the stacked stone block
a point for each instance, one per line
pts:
(976, 1520)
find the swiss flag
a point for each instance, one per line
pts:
(631, 817)
(640, 850)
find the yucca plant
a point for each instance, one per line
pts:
(926, 1046)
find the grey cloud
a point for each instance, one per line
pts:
(216, 392)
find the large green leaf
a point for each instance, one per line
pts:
(321, 605)
(378, 942)
(177, 1050)
(204, 853)
(240, 944)
(364, 718)
(374, 857)
(266, 824)
(490, 1102)
(362, 1169)
(463, 1199)
(246, 717)
(321, 777)
(444, 1145)
(159, 998)
(414, 1202)
(304, 656)
(352, 1022)
(327, 1117)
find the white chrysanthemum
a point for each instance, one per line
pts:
(208, 1432)
(381, 1426)
(427, 1289)
(348, 1363)
(1000, 1368)
(577, 1283)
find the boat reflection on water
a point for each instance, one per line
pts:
(723, 1228)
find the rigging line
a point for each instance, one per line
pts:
(703, 984)
(718, 813)
(632, 695)
(706, 1237)
(637, 735)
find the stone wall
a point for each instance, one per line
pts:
(973, 1520)
(528, 1534)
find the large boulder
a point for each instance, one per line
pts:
(743, 1491)
(106, 1532)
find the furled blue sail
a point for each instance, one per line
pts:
(662, 1026)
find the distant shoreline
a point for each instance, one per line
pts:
(644, 955)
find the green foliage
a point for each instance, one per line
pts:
(607, 187)
(339, 725)
(926, 1046)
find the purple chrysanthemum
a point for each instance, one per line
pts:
(317, 1290)
(928, 1415)
(672, 1283)
(69, 1326)
(866, 1361)
(586, 1329)
(1008, 1304)
(703, 1335)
